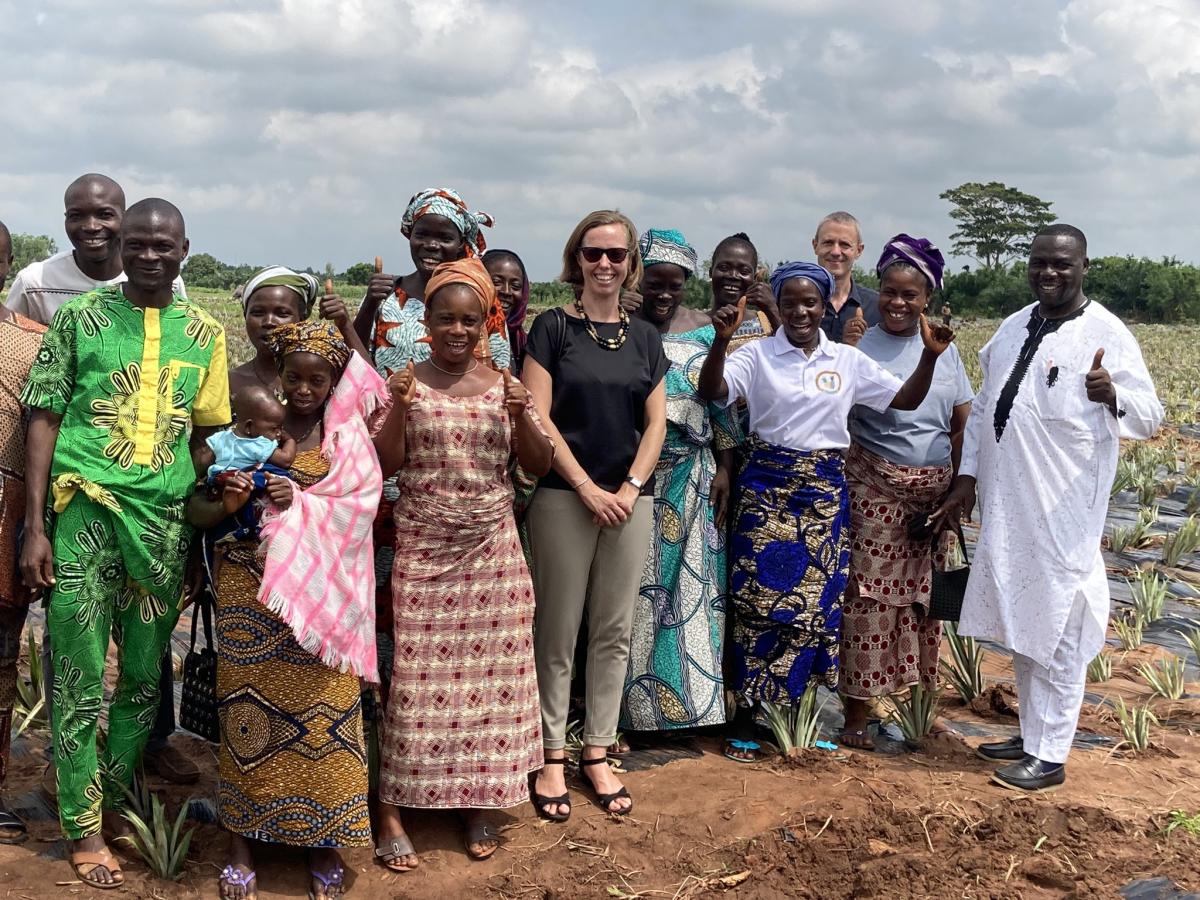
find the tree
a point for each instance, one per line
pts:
(204, 270)
(996, 223)
(359, 273)
(28, 248)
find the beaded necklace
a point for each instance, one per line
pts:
(613, 343)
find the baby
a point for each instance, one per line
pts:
(256, 439)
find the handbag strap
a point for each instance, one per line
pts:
(202, 609)
(962, 541)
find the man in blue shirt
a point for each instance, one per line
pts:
(851, 309)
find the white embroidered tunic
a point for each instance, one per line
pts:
(1044, 456)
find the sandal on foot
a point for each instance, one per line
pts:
(328, 879)
(236, 876)
(859, 739)
(541, 803)
(396, 849)
(732, 745)
(10, 820)
(479, 833)
(605, 800)
(86, 862)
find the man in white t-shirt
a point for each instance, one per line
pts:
(94, 206)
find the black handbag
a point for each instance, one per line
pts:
(198, 703)
(948, 588)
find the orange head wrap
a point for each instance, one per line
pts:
(469, 271)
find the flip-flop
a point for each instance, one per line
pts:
(94, 860)
(9, 819)
(328, 880)
(616, 752)
(476, 833)
(234, 876)
(746, 747)
(857, 740)
(397, 848)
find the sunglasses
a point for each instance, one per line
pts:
(616, 255)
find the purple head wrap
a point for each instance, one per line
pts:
(818, 275)
(917, 252)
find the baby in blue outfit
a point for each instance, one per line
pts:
(256, 438)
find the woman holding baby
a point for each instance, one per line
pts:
(295, 624)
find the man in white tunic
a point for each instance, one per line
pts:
(1063, 380)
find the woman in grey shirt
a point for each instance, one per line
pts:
(899, 466)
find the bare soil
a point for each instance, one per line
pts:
(820, 825)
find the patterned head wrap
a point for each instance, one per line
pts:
(319, 338)
(917, 252)
(666, 245)
(818, 275)
(304, 285)
(468, 271)
(445, 202)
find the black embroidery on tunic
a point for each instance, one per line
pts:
(1052, 376)
(1038, 328)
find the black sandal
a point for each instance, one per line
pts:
(605, 799)
(541, 802)
(10, 820)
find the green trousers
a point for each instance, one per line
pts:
(94, 597)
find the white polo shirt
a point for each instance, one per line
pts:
(803, 402)
(42, 287)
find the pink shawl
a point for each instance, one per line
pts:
(318, 566)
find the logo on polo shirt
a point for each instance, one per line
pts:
(829, 382)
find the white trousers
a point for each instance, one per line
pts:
(1051, 697)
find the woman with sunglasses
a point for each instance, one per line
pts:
(596, 375)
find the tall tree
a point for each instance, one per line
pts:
(29, 248)
(996, 223)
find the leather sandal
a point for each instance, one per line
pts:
(396, 849)
(542, 802)
(479, 833)
(605, 800)
(9, 820)
(86, 862)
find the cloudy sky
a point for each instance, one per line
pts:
(296, 130)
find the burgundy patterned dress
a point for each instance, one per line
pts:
(463, 726)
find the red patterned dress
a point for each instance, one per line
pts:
(463, 726)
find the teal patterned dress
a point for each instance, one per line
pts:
(674, 678)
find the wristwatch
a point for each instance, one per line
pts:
(635, 481)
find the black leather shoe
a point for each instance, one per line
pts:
(1031, 775)
(1002, 751)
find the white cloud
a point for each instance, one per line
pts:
(296, 130)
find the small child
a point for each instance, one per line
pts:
(256, 439)
(256, 444)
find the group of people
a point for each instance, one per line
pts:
(422, 526)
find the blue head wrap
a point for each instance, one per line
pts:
(818, 275)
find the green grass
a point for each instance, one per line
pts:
(1170, 350)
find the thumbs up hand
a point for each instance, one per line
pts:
(1099, 383)
(333, 307)
(381, 286)
(855, 328)
(516, 397)
(727, 319)
(403, 386)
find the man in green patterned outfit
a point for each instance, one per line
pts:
(122, 373)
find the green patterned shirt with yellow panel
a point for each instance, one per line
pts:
(130, 383)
